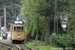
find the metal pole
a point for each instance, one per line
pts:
(5, 18)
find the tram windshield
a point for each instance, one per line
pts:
(18, 28)
(22, 28)
(14, 28)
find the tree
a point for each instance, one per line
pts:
(70, 24)
(11, 7)
(30, 13)
(12, 10)
(37, 9)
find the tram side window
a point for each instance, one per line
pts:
(18, 28)
(14, 28)
(22, 28)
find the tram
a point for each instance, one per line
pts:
(17, 29)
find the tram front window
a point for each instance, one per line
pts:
(14, 28)
(22, 28)
(18, 28)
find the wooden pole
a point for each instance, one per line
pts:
(0, 25)
(55, 18)
(5, 18)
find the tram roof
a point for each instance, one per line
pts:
(17, 22)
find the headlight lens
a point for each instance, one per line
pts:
(18, 36)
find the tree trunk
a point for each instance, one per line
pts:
(37, 33)
(37, 28)
(47, 31)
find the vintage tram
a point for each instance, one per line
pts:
(17, 29)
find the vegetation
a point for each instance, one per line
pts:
(4, 40)
(39, 45)
(39, 20)
(3, 48)
(71, 25)
(12, 8)
(41, 11)
(61, 40)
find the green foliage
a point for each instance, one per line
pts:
(42, 28)
(11, 7)
(60, 29)
(71, 24)
(30, 13)
(52, 38)
(48, 48)
(39, 11)
(39, 45)
(63, 6)
(34, 31)
(35, 43)
(61, 40)
(30, 28)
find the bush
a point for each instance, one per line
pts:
(52, 38)
(72, 40)
(61, 40)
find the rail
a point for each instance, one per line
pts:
(17, 46)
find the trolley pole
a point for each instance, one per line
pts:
(5, 19)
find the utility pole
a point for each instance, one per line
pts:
(0, 25)
(5, 19)
(55, 18)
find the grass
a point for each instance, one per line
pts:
(24, 47)
(8, 41)
(38, 45)
(34, 43)
(47, 48)
(3, 48)
(14, 48)
(4, 40)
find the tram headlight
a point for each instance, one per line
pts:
(18, 36)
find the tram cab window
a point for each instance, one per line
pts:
(18, 28)
(22, 28)
(14, 28)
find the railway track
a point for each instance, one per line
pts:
(5, 46)
(23, 47)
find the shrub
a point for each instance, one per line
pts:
(52, 38)
(71, 40)
(61, 40)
